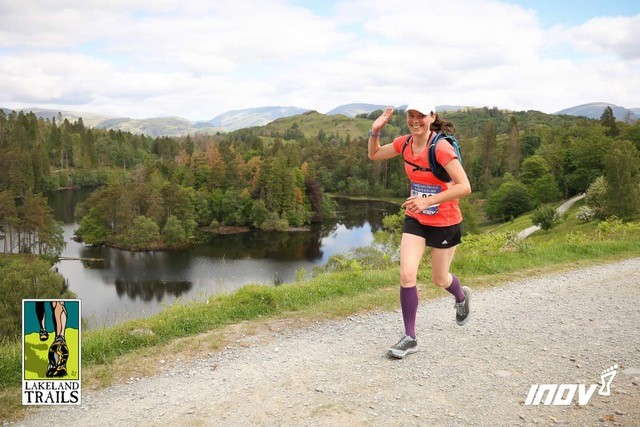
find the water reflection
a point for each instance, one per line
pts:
(124, 285)
(148, 290)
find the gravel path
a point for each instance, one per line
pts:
(561, 210)
(562, 328)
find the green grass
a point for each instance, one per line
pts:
(481, 261)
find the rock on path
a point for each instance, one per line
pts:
(563, 328)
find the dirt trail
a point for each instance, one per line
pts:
(565, 328)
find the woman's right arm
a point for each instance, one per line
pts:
(376, 151)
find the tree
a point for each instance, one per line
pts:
(545, 217)
(8, 218)
(586, 148)
(608, 120)
(530, 144)
(92, 228)
(621, 175)
(25, 277)
(514, 151)
(596, 196)
(509, 201)
(488, 151)
(143, 233)
(545, 189)
(533, 168)
(173, 233)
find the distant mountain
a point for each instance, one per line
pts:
(237, 119)
(157, 126)
(594, 110)
(352, 110)
(89, 119)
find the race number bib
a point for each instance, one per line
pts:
(424, 190)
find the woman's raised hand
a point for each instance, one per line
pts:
(382, 120)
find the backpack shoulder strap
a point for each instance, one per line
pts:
(415, 167)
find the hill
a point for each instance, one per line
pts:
(238, 119)
(157, 126)
(250, 117)
(311, 122)
(89, 119)
(594, 110)
(352, 110)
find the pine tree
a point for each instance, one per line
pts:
(514, 151)
(608, 120)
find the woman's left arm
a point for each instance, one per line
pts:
(460, 188)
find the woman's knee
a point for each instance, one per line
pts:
(408, 279)
(441, 280)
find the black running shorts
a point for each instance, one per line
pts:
(436, 237)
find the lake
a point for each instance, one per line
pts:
(126, 285)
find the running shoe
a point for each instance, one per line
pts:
(406, 345)
(463, 310)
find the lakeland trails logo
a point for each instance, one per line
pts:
(563, 394)
(51, 352)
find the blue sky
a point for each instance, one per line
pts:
(199, 58)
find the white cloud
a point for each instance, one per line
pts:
(198, 58)
(605, 35)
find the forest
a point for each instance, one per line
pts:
(165, 192)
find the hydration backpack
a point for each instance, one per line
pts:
(434, 167)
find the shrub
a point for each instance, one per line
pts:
(596, 197)
(585, 213)
(545, 217)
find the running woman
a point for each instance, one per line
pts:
(433, 217)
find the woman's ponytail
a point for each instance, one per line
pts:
(443, 126)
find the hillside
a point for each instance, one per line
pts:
(157, 126)
(352, 110)
(311, 122)
(238, 119)
(594, 111)
(250, 117)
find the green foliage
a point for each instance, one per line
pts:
(613, 227)
(173, 233)
(545, 189)
(41, 155)
(288, 165)
(622, 175)
(21, 278)
(143, 233)
(509, 201)
(596, 197)
(545, 217)
(585, 213)
(584, 153)
(28, 226)
(532, 169)
(470, 215)
(608, 120)
(92, 228)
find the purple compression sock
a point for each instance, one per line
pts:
(455, 289)
(409, 304)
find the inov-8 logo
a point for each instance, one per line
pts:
(563, 394)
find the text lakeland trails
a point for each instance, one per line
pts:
(51, 385)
